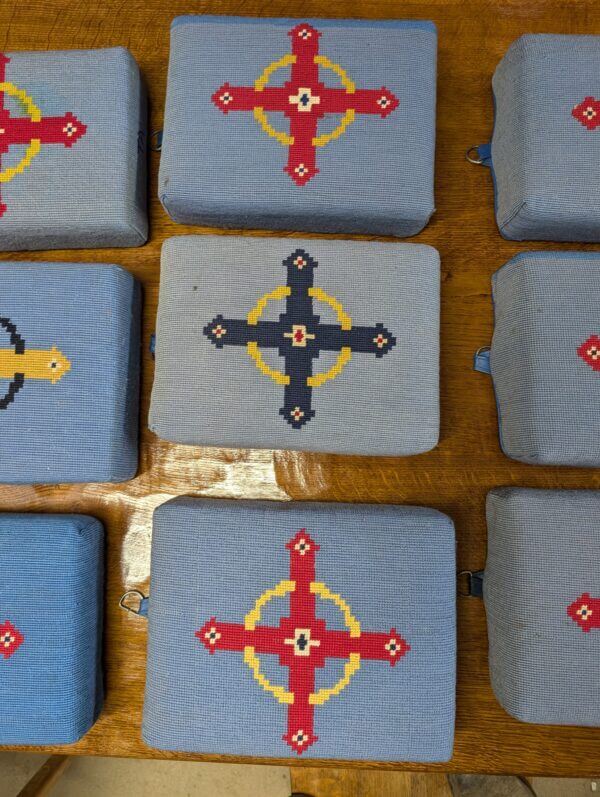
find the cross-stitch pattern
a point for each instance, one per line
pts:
(299, 337)
(30, 131)
(585, 611)
(302, 642)
(304, 99)
(587, 113)
(18, 365)
(11, 639)
(589, 351)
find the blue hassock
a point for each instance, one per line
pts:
(73, 150)
(302, 344)
(544, 151)
(69, 371)
(320, 125)
(315, 630)
(545, 357)
(542, 596)
(50, 627)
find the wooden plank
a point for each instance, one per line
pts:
(46, 778)
(362, 783)
(454, 478)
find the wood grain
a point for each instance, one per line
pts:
(454, 478)
(361, 783)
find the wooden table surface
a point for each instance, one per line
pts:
(454, 478)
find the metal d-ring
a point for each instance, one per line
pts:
(474, 578)
(478, 160)
(156, 138)
(469, 576)
(125, 597)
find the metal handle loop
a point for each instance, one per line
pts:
(477, 160)
(156, 140)
(136, 609)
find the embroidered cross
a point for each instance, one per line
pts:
(585, 611)
(11, 639)
(304, 99)
(30, 131)
(299, 337)
(302, 642)
(17, 364)
(587, 113)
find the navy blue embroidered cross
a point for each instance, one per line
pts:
(299, 337)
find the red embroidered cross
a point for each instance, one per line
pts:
(32, 130)
(302, 642)
(11, 639)
(587, 113)
(585, 611)
(304, 100)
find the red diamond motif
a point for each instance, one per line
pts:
(585, 611)
(11, 639)
(589, 351)
(588, 113)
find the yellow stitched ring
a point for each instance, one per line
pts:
(250, 658)
(281, 292)
(276, 376)
(284, 138)
(281, 694)
(34, 146)
(253, 318)
(352, 666)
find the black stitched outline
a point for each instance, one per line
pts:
(19, 379)
(13, 389)
(16, 340)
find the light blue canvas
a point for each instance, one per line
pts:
(358, 154)
(69, 373)
(545, 357)
(302, 344)
(546, 144)
(257, 606)
(83, 184)
(50, 627)
(542, 598)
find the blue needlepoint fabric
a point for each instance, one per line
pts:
(545, 357)
(546, 142)
(301, 630)
(69, 371)
(542, 598)
(304, 124)
(300, 344)
(50, 627)
(72, 150)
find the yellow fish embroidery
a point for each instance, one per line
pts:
(18, 364)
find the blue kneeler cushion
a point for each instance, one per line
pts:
(298, 344)
(50, 627)
(542, 596)
(72, 150)
(301, 630)
(546, 142)
(545, 357)
(69, 373)
(313, 124)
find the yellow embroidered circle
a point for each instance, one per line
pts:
(281, 694)
(34, 146)
(277, 294)
(284, 138)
